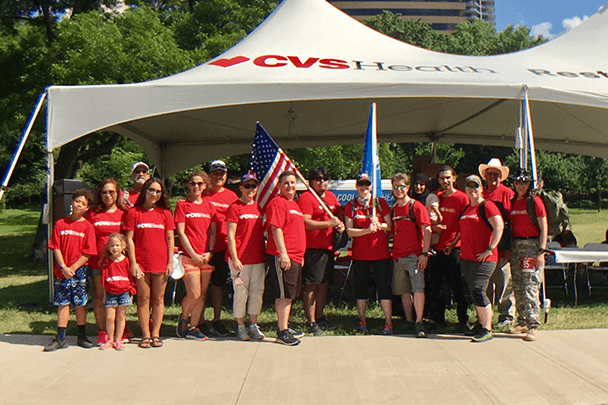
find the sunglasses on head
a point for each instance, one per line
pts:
(250, 186)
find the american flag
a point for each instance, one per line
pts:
(267, 162)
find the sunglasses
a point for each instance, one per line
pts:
(492, 174)
(140, 171)
(520, 182)
(364, 183)
(474, 186)
(250, 186)
(152, 191)
(321, 179)
(399, 187)
(112, 192)
(194, 184)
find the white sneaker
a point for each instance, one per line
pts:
(241, 333)
(255, 333)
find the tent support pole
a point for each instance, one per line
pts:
(469, 118)
(530, 131)
(47, 218)
(21, 144)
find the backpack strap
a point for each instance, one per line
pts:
(483, 215)
(531, 210)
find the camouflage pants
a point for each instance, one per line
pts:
(526, 280)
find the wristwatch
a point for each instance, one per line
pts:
(425, 254)
(211, 252)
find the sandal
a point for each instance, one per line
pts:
(156, 342)
(145, 343)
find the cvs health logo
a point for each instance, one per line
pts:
(272, 61)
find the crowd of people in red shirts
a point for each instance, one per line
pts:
(446, 238)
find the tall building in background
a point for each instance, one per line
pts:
(443, 15)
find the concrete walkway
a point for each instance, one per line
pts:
(562, 367)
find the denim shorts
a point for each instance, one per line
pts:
(72, 291)
(118, 300)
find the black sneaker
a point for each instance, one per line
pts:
(285, 337)
(84, 342)
(474, 330)
(55, 344)
(296, 333)
(483, 336)
(325, 324)
(419, 329)
(217, 328)
(204, 329)
(314, 329)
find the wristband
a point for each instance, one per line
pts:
(425, 254)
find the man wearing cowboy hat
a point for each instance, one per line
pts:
(500, 289)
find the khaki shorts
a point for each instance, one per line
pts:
(190, 267)
(406, 277)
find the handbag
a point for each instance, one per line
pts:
(340, 239)
(178, 267)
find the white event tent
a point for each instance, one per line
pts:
(309, 72)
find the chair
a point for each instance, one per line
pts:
(603, 267)
(343, 264)
(551, 264)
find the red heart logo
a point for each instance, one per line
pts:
(229, 62)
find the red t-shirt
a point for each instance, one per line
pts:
(116, 276)
(249, 235)
(451, 207)
(373, 246)
(73, 239)
(197, 219)
(130, 196)
(409, 237)
(149, 235)
(105, 223)
(521, 224)
(319, 238)
(286, 215)
(221, 201)
(475, 234)
(502, 194)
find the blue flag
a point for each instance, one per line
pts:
(371, 162)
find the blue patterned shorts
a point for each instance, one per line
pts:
(74, 290)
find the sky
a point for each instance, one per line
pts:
(548, 18)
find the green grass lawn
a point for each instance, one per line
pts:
(24, 306)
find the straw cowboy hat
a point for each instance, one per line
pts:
(494, 163)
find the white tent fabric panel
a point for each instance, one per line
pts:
(309, 72)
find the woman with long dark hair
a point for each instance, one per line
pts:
(195, 219)
(106, 215)
(149, 228)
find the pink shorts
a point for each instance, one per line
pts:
(190, 267)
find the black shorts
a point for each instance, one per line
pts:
(382, 278)
(219, 276)
(318, 266)
(287, 284)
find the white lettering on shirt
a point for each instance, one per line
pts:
(470, 216)
(444, 209)
(217, 204)
(107, 223)
(117, 278)
(198, 215)
(150, 226)
(249, 216)
(519, 212)
(296, 212)
(71, 232)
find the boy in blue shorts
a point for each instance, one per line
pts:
(72, 243)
